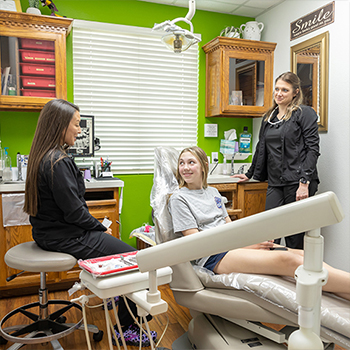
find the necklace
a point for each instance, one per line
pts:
(274, 123)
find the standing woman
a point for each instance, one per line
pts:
(288, 148)
(54, 199)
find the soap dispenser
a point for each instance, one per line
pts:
(7, 172)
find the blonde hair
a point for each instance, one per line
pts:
(201, 156)
(297, 100)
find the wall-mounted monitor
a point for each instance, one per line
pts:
(84, 144)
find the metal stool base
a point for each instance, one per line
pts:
(50, 327)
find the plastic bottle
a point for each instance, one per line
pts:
(7, 172)
(245, 139)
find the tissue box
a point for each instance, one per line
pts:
(228, 147)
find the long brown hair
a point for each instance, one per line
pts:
(297, 100)
(52, 126)
(203, 160)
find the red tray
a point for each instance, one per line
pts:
(38, 69)
(38, 93)
(110, 265)
(38, 82)
(37, 44)
(32, 56)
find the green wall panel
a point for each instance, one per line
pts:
(17, 128)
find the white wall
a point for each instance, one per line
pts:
(334, 162)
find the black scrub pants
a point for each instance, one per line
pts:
(95, 244)
(280, 195)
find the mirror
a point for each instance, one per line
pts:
(309, 60)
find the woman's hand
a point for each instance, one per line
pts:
(241, 177)
(302, 192)
(262, 246)
(109, 231)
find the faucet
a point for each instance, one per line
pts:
(19, 167)
(241, 169)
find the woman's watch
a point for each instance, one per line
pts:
(303, 181)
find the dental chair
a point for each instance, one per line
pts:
(228, 310)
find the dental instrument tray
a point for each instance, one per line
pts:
(110, 265)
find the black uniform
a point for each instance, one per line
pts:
(287, 152)
(63, 222)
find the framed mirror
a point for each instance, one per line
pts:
(309, 60)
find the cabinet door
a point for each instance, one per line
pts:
(238, 77)
(252, 197)
(107, 208)
(33, 60)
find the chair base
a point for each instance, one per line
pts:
(43, 330)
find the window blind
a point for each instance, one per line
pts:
(141, 94)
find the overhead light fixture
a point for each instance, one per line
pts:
(176, 38)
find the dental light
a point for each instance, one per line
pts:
(178, 39)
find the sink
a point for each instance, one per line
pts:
(219, 178)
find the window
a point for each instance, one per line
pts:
(141, 94)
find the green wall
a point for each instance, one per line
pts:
(17, 128)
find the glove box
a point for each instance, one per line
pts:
(37, 69)
(38, 82)
(32, 56)
(38, 93)
(37, 44)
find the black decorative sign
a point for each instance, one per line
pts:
(312, 21)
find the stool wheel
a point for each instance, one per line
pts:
(98, 336)
(3, 341)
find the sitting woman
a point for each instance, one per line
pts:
(54, 200)
(196, 207)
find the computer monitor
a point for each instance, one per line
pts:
(84, 144)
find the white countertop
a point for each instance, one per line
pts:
(19, 186)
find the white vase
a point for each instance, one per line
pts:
(33, 11)
(251, 30)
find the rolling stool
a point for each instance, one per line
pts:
(43, 327)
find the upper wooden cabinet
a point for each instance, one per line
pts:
(239, 77)
(33, 60)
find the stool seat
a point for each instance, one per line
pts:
(30, 257)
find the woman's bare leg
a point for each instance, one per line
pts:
(269, 262)
(283, 263)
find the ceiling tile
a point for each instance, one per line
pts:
(261, 4)
(247, 11)
(215, 6)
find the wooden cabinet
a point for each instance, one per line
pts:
(239, 77)
(244, 199)
(33, 60)
(102, 202)
(252, 197)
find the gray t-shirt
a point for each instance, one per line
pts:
(201, 209)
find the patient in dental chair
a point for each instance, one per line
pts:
(196, 207)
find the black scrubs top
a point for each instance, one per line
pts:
(274, 143)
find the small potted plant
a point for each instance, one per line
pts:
(34, 7)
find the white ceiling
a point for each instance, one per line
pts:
(248, 8)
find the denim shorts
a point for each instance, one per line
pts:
(213, 260)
